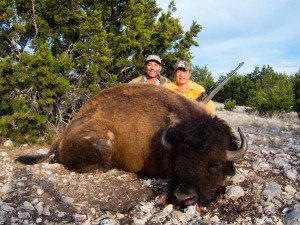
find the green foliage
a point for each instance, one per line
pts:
(56, 54)
(229, 104)
(30, 89)
(6, 86)
(265, 90)
(203, 77)
(23, 127)
(237, 88)
(272, 92)
(296, 90)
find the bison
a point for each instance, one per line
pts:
(154, 132)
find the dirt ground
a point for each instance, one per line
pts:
(50, 194)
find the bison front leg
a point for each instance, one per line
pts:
(86, 146)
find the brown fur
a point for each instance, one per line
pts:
(122, 127)
(135, 114)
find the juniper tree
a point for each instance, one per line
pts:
(202, 76)
(56, 54)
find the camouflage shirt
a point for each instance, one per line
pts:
(143, 79)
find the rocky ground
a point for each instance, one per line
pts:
(265, 190)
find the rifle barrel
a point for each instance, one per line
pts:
(212, 93)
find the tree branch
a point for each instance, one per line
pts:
(34, 18)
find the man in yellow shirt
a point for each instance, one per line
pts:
(182, 84)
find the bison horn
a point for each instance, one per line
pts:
(167, 145)
(235, 155)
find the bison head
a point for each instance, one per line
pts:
(203, 149)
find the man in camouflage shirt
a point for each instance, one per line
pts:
(152, 70)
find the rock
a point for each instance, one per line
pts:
(290, 189)
(42, 151)
(2, 217)
(191, 210)
(215, 220)
(111, 222)
(168, 209)
(67, 200)
(269, 208)
(258, 221)
(271, 190)
(39, 208)
(6, 207)
(177, 218)
(23, 215)
(237, 178)
(39, 191)
(49, 166)
(269, 221)
(8, 143)
(287, 167)
(46, 211)
(292, 215)
(35, 201)
(234, 192)
(14, 220)
(261, 165)
(291, 174)
(136, 221)
(4, 154)
(147, 207)
(59, 214)
(280, 163)
(79, 218)
(28, 206)
(90, 195)
(7, 187)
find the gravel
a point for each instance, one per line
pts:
(265, 189)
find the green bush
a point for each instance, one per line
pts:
(296, 90)
(23, 127)
(271, 93)
(229, 104)
(238, 88)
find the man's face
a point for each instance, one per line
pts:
(152, 69)
(182, 76)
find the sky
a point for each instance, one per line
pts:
(256, 32)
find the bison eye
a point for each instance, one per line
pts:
(215, 168)
(229, 169)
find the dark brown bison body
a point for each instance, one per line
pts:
(150, 130)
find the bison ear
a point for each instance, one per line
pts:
(165, 139)
(168, 138)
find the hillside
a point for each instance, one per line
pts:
(266, 189)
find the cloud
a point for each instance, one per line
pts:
(257, 32)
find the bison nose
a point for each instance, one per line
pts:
(186, 195)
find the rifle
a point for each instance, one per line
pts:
(209, 94)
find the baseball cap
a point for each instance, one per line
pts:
(153, 58)
(182, 64)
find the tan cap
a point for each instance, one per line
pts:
(153, 58)
(182, 64)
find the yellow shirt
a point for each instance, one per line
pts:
(193, 91)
